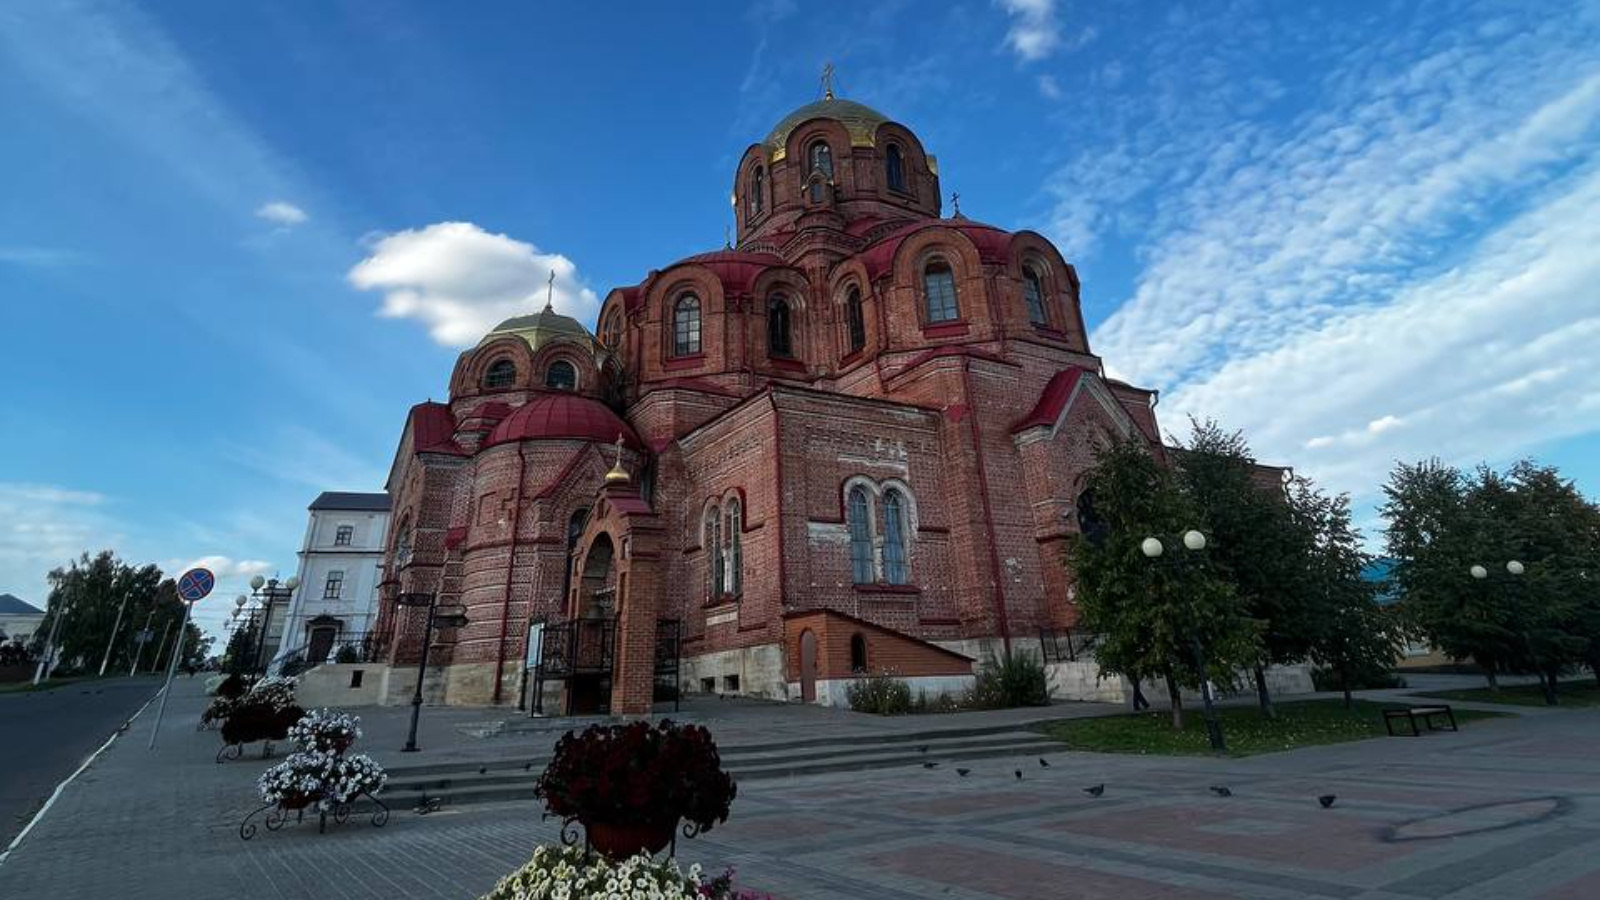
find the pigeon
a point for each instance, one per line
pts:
(929, 765)
(1221, 790)
(1327, 800)
(527, 767)
(1018, 773)
(1044, 763)
(1095, 791)
(429, 805)
(483, 770)
(923, 749)
(963, 772)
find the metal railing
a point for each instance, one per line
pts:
(1066, 645)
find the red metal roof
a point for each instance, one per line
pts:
(736, 269)
(433, 429)
(994, 244)
(1052, 400)
(563, 417)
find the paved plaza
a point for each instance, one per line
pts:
(1508, 808)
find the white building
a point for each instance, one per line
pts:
(341, 563)
(18, 618)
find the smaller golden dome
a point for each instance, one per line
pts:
(541, 328)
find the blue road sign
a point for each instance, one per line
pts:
(195, 584)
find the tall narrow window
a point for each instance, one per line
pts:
(758, 187)
(780, 341)
(402, 544)
(611, 330)
(860, 535)
(858, 653)
(686, 326)
(895, 165)
(856, 319)
(939, 283)
(334, 585)
(733, 523)
(894, 537)
(502, 373)
(714, 550)
(561, 376)
(821, 163)
(1033, 292)
(344, 535)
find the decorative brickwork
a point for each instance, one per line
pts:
(819, 355)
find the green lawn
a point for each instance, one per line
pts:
(1299, 724)
(19, 687)
(1571, 693)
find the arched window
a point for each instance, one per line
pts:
(561, 376)
(779, 340)
(856, 320)
(732, 524)
(686, 326)
(402, 544)
(894, 537)
(858, 653)
(502, 373)
(1094, 528)
(758, 187)
(895, 167)
(713, 548)
(860, 515)
(821, 163)
(611, 330)
(1033, 292)
(939, 284)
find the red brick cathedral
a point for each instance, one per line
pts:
(853, 442)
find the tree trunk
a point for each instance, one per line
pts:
(1550, 688)
(1263, 696)
(1494, 683)
(1176, 697)
(1344, 684)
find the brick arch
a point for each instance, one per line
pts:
(635, 533)
(852, 273)
(580, 356)
(960, 253)
(797, 291)
(754, 156)
(1060, 281)
(665, 291)
(468, 380)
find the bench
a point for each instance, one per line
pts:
(1426, 713)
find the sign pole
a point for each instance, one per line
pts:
(172, 667)
(138, 647)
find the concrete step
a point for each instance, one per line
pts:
(407, 789)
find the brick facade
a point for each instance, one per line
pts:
(969, 428)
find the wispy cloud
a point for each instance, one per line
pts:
(461, 281)
(282, 213)
(43, 526)
(297, 455)
(1034, 32)
(1404, 268)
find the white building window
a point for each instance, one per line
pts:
(334, 584)
(343, 536)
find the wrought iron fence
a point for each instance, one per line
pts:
(1066, 645)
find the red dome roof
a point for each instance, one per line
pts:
(736, 269)
(563, 417)
(993, 243)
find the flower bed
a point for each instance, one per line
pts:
(326, 729)
(570, 874)
(320, 773)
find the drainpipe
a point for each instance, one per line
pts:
(988, 512)
(777, 444)
(511, 564)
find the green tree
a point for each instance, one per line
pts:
(1350, 634)
(87, 595)
(1254, 544)
(1153, 618)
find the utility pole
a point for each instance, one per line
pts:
(43, 670)
(112, 641)
(156, 663)
(138, 647)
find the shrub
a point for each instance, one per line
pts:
(640, 774)
(882, 694)
(346, 654)
(1014, 679)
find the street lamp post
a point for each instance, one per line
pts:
(455, 618)
(1193, 541)
(1514, 570)
(112, 641)
(268, 592)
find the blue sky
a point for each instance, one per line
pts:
(237, 241)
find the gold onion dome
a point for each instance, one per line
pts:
(540, 328)
(860, 122)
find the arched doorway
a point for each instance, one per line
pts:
(321, 632)
(808, 666)
(594, 619)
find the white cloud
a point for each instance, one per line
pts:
(223, 567)
(1034, 33)
(44, 526)
(1404, 269)
(282, 213)
(1049, 87)
(461, 281)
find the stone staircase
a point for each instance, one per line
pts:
(495, 780)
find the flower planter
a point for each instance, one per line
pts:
(619, 842)
(298, 801)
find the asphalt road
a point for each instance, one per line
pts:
(46, 735)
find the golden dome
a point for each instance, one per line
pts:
(541, 328)
(860, 121)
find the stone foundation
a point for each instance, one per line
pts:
(759, 671)
(836, 691)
